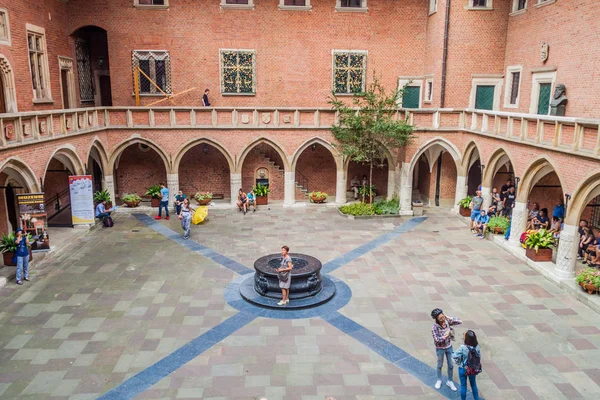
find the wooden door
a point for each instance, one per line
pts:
(105, 94)
(2, 102)
(64, 78)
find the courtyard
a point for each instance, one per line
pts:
(135, 311)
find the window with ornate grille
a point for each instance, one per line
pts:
(151, 2)
(595, 204)
(154, 65)
(4, 29)
(521, 5)
(84, 71)
(38, 64)
(514, 86)
(238, 71)
(480, 3)
(349, 72)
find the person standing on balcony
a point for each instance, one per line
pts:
(205, 101)
(164, 202)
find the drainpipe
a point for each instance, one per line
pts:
(445, 55)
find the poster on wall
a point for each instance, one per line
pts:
(34, 221)
(82, 199)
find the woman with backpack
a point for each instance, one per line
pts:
(443, 334)
(468, 359)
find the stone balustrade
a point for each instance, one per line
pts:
(566, 134)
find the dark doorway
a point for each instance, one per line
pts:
(11, 206)
(105, 93)
(64, 78)
(474, 178)
(2, 102)
(96, 175)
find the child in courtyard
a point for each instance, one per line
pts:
(185, 215)
(468, 359)
(443, 334)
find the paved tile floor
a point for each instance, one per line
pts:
(127, 297)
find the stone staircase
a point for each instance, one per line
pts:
(416, 195)
(278, 169)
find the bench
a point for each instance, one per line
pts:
(218, 196)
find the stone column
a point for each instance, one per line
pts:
(340, 187)
(567, 252)
(486, 193)
(235, 182)
(173, 186)
(517, 225)
(405, 190)
(109, 184)
(461, 192)
(289, 194)
(391, 187)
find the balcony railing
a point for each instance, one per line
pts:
(573, 135)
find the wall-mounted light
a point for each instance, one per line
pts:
(205, 149)
(313, 147)
(517, 180)
(101, 61)
(567, 198)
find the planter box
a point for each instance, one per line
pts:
(318, 200)
(465, 212)
(155, 202)
(204, 202)
(542, 255)
(498, 231)
(7, 258)
(262, 200)
(132, 204)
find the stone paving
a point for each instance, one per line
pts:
(127, 297)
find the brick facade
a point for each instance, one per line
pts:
(204, 171)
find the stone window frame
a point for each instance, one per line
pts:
(428, 94)
(249, 6)
(515, 5)
(254, 76)
(433, 6)
(365, 53)
(489, 5)
(543, 3)
(411, 81)
(538, 77)
(46, 95)
(66, 64)
(509, 84)
(306, 7)
(487, 80)
(5, 37)
(153, 91)
(362, 8)
(136, 4)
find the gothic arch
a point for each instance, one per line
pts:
(468, 157)
(20, 172)
(499, 158)
(8, 83)
(270, 142)
(322, 142)
(67, 155)
(136, 139)
(101, 151)
(539, 168)
(388, 155)
(196, 142)
(588, 189)
(435, 144)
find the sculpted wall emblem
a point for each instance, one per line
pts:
(544, 52)
(245, 118)
(266, 118)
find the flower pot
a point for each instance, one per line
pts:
(465, 212)
(108, 205)
(132, 204)
(542, 255)
(8, 256)
(318, 200)
(498, 230)
(262, 200)
(591, 288)
(204, 202)
(155, 202)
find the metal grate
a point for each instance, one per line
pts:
(349, 72)
(157, 66)
(238, 71)
(84, 71)
(595, 204)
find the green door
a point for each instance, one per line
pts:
(544, 98)
(411, 96)
(484, 97)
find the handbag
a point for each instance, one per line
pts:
(283, 276)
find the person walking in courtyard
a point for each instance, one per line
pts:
(468, 359)
(205, 101)
(251, 200)
(164, 202)
(476, 204)
(179, 201)
(185, 215)
(443, 334)
(284, 273)
(22, 256)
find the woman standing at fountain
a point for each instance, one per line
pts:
(284, 274)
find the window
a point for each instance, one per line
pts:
(151, 3)
(411, 87)
(349, 68)
(351, 5)
(84, 71)
(155, 71)
(486, 92)
(242, 4)
(595, 220)
(301, 5)
(542, 3)
(541, 90)
(38, 64)
(479, 5)
(519, 5)
(238, 72)
(513, 85)
(428, 90)
(433, 6)
(4, 28)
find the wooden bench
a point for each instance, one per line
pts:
(218, 196)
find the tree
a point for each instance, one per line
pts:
(369, 126)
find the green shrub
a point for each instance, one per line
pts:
(387, 207)
(154, 191)
(499, 222)
(261, 190)
(201, 196)
(358, 209)
(131, 198)
(466, 202)
(541, 239)
(101, 195)
(589, 275)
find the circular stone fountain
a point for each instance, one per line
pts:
(308, 287)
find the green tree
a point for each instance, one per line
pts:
(369, 125)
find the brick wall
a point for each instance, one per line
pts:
(380, 176)
(204, 172)
(547, 197)
(255, 160)
(138, 170)
(55, 182)
(319, 168)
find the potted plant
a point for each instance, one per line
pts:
(366, 192)
(498, 224)
(132, 200)
(8, 247)
(318, 197)
(539, 245)
(154, 193)
(589, 280)
(465, 206)
(203, 198)
(103, 195)
(262, 194)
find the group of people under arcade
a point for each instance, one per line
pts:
(589, 244)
